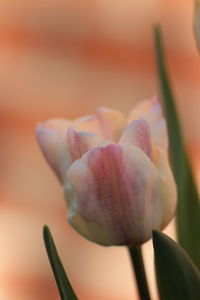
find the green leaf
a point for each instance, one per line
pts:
(63, 284)
(188, 210)
(177, 276)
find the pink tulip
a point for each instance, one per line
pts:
(115, 171)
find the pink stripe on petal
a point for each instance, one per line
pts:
(138, 134)
(114, 187)
(73, 142)
(151, 111)
(81, 142)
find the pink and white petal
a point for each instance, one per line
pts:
(151, 111)
(88, 123)
(90, 231)
(167, 186)
(58, 125)
(112, 123)
(51, 137)
(138, 134)
(106, 122)
(81, 142)
(115, 194)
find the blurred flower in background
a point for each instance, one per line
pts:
(65, 58)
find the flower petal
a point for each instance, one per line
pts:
(138, 134)
(150, 110)
(81, 142)
(51, 136)
(58, 125)
(115, 195)
(112, 123)
(107, 122)
(88, 123)
(167, 188)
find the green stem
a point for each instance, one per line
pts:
(138, 265)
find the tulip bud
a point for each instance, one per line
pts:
(116, 176)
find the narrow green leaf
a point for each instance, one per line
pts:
(188, 210)
(196, 23)
(63, 284)
(177, 276)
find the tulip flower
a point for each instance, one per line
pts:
(115, 171)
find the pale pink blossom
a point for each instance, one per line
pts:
(115, 172)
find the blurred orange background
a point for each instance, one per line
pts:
(64, 58)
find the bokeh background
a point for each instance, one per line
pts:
(64, 58)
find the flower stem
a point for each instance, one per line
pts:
(138, 265)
